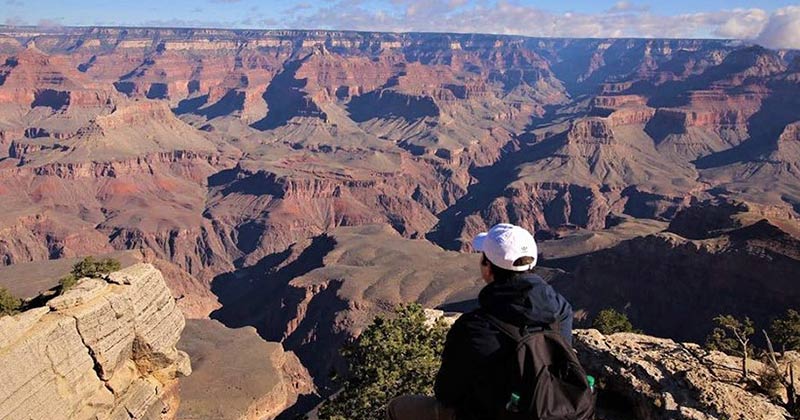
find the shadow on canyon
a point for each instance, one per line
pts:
(286, 99)
(262, 296)
(765, 128)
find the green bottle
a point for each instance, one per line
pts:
(513, 403)
(590, 379)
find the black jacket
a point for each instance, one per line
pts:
(476, 360)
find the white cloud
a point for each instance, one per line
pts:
(625, 19)
(743, 24)
(627, 7)
(782, 30)
(621, 6)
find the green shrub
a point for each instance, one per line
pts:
(393, 356)
(729, 334)
(67, 282)
(786, 331)
(732, 336)
(610, 321)
(89, 267)
(9, 304)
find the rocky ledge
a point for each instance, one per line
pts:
(104, 349)
(238, 375)
(643, 377)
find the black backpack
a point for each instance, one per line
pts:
(548, 382)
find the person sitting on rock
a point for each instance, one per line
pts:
(472, 380)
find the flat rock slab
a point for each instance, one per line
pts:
(233, 369)
(85, 291)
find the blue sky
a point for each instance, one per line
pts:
(126, 12)
(599, 18)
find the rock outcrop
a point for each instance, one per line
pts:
(643, 377)
(217, 389)
(104, 349)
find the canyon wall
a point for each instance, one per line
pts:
(213, 148)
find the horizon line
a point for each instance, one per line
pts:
(355, 31)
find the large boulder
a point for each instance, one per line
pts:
(104, 349)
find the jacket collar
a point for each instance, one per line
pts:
(520, 300)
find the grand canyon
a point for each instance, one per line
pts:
(290, 185)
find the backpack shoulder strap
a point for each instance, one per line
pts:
(510, 330)
(516, 332)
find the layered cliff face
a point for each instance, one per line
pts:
(226, 135)
(104, 348)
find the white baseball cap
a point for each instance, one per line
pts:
(505, 243)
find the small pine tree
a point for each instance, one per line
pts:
(67, 282)
(719, 340)
(393, 356)
(786, 331)
(89, 267)
(610, 321)
(108, 265)
(8, 303)
(732, 336)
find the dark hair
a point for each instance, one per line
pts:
(501, 274)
